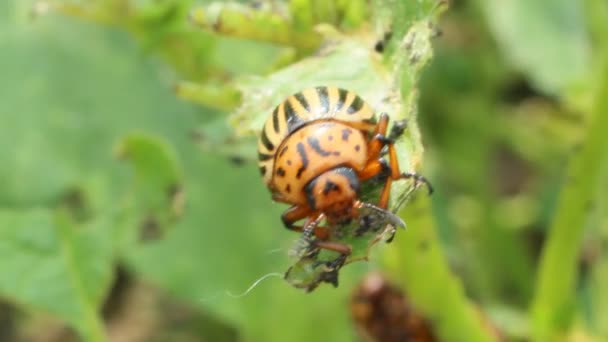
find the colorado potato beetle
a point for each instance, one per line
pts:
(316, 149)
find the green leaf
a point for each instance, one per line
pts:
(67, 107)
(50, 264)
(158, 180)
(544, 39)
(241, 21)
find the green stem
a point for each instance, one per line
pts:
(596, 12)
(553, 304)
(256, 25)
(221, 97)
(417, 263)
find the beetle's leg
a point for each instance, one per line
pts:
(311, 226)
(293, 214)
(298, 212)
(341, 248)
(374, 168)
(377, 166)
(418, 179)
(396, 173)
(378, 138)
(277, 197)
(397, 130)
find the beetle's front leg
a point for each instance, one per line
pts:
(298, 212)
(311, 227)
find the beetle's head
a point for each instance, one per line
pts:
(334, 193)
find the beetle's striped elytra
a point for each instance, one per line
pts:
(320, 103)
(316, 148)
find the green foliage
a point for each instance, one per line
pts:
(49, 265)
(548, 41)
(554, 304)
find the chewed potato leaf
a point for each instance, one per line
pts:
(157, 181)
(314, 266)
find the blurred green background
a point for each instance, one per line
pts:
(129, 214)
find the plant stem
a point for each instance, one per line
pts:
(554, 301)
(417, 263)
(256, 25)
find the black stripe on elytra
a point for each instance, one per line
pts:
(288, 111)
(300, 97)
(264, 156)
(323, 99)
(314, 143)
(304, 157)
(266, 141)
(275, 119)
(291, 118)
(341, 98)
(355, 106)
(353, 181)
(371, 120)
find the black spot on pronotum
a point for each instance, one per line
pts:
(263, 170)
(329, 187)
(280, 172)
(314, 143)
(346, 133)
(289, 162)
(288, 188)
(323, 98)
(353, 181)
(357, 147)
(303, 157)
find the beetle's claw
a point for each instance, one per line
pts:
(419, 179)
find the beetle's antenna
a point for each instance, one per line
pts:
(255, 283)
